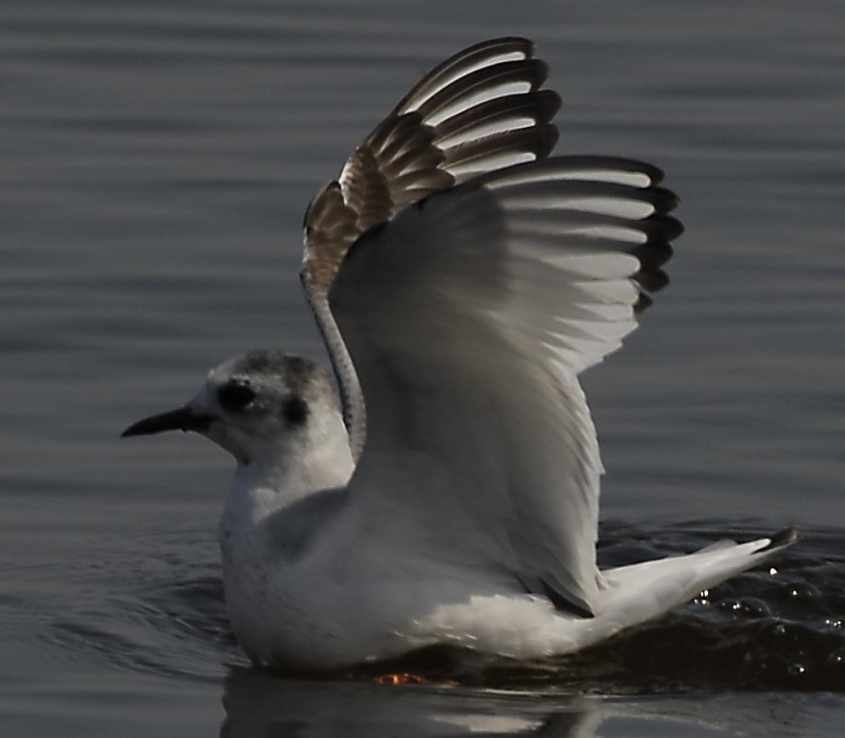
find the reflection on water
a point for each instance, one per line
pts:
(258, 704)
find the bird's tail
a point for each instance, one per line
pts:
(637, 593)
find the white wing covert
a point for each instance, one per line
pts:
(460, 292)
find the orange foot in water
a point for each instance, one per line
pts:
(400, 678)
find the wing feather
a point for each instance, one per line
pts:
(462, 280)
(478, 111)
(479, 56)
(468, 319)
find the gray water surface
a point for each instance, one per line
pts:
(155, 161)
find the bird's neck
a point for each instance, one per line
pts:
(296, 468)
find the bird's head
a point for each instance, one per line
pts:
(259, 405)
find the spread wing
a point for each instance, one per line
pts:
(478, 111)
(468, 318)
(462, 321)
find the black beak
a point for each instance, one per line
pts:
(184, 419)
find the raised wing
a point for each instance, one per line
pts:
(478, 111)
(468, 318)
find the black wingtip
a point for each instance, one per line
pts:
(644, 302)
(548, 103)
(652, 280)
(785, 537)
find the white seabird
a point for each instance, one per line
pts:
(462, 280)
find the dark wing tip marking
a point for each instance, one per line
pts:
(548, 103)
(667, 228)
(532, 71)
(644, 302)
(538, 140)
(651, 280)
(468, 56)
(653, 255)
(663, 199)
(457, 122)
(660, 229)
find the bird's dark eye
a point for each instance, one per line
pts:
(295, 411)
(235, 395)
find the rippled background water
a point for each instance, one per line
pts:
(155, 159)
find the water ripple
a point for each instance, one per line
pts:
(781, 628)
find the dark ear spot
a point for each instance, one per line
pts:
(295, 411)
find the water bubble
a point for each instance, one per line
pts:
(746, 607)
(796, 669)
(803, 591)
(703, 598)
(779, 629)
(836, 658)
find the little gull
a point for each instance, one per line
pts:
(462, 279)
